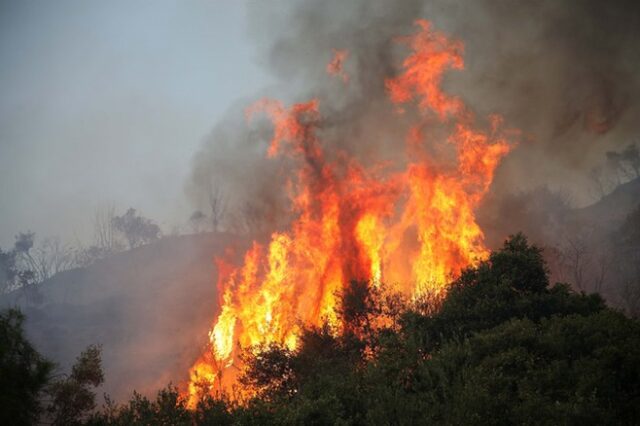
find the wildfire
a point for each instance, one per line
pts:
(336, 65)
(413, 226)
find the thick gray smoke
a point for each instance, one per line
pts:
(563, 72)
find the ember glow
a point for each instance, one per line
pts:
(336, 65)
(411, 226)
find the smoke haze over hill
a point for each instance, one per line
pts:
(80, 102)
(564, 74)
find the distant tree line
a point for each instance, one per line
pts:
(30, 262)
(503, 347)
(596, 248)
(604, 262)
(114, 233)
(220, 213)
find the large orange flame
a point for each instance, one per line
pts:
(414, 226)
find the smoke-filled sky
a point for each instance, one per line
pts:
(132, 102)
(562, 72)
(107, 102)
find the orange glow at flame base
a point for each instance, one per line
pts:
(415, 227)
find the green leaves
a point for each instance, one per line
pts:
(502, 348)
(72, 397)
(561, 370)
(23, 372)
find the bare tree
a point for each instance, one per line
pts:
(217, 205)
(629, 294)
(105, 238)
(46, 259)
(603, 266)
(51, 257)
(575, 260)
(584, 262)
(627, 263)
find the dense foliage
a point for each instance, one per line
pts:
(503, 347)
(23, 372)
(32, 392)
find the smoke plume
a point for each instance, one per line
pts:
(562, 72)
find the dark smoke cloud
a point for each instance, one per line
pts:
(563, 72)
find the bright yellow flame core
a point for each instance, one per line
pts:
(415, 226)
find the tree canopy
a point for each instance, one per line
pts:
(503, 347)
(32, 391)
(137, 230)
(24, 372)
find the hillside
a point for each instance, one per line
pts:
(610, 212)
(150, 308)
(504, 347)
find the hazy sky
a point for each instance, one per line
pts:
(110, 101)
(107, 101)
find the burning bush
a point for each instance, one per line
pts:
(409, 223)
(503, 347)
